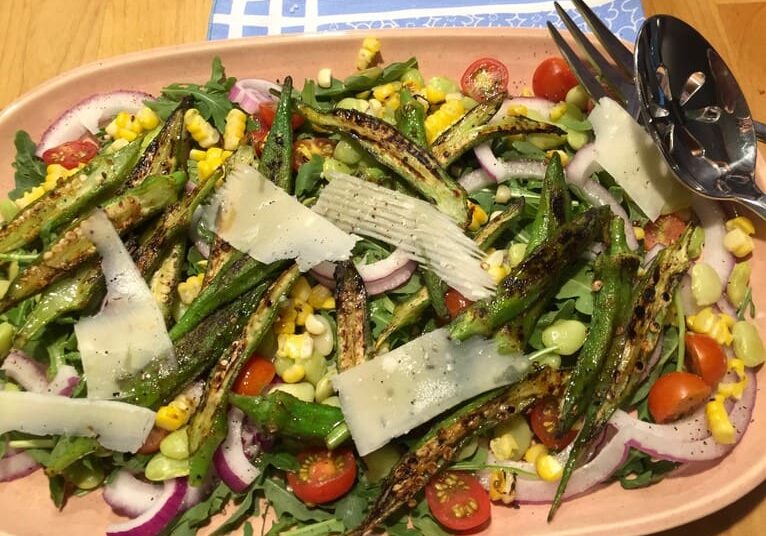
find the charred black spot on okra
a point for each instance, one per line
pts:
(276, 160)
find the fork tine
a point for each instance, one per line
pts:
(610, 74)
(581, 71)
(612, 44)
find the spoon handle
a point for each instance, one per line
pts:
(760, 130)
(757, 205)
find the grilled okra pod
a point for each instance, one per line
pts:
(388, 146)
(165, 279)
(638, 330)
(202, 429)
(436, 293)
(489, 234)
(276, 160)
(351, 316)
(70, 198)
(73, 249)
(410, 118)
(533, 277)
(615, 270)
(555, 205)
(444, 441)
(282, 414)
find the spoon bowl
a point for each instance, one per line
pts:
(696, 112)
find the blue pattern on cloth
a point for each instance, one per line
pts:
(243, 18)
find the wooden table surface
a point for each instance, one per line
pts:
(42, 38)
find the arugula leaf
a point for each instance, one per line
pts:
(30, 169)
(68, 450)
(528, 149)
(381, 312)
(200, 514)
(331, 526)
(283, 461)
(747, 306)
(580, 287)
(428, 527)
(249, 507)
(485, 199)
(309, 176)
(280, 525)
(57, 488)
(640, 470)
(285, 502)
(247, 529)
(352, 507)
(211, 99)
(669, 346)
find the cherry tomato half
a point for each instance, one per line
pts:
(71, 153)
(268, 112)
(705, 357)
(257, 373)
(259, 135)
(666, 230)
(543, 419)
(676, 395)
(323, 475)
(153, 440)
(304, 149)
(484, 78)
(553, 79)
(457, 501)
(456, 302)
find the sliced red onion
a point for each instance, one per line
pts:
(152, 521)
(598, 195)
(652, 253)
(725, 306)
(86, 116)
(378, 277)
(230, 460)
(65, 381)
(250, 93)
(17, 465)
(25, 371)
(476, 180)
(597, 470)
(488, 160)
(582, 165)
(130, 497)
(712, 218)
(538, 106)
(197, 494)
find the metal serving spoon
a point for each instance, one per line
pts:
(696, 112)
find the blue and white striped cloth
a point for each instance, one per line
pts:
(243, 18)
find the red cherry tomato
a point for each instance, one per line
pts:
(259, 135)
(304, 149)
(456, 302)
(323, 475)
(484, 78)
(457, 501)
(543, 419)
(71, 154)
(666, 230)
(676, 395)
(705, 357)
(268, 112)
(553, 79)
(255, 376)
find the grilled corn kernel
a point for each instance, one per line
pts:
(304, 310)
(548, 468)
(393, 102)
(234, 132)
(503, 194)
(718, 421)
(639, 232)
(294, 373)
(738, 243)
(372, 44)
(707, 322)
(384, 91)
(189, 289)
(319, 296)
(558, 111)
(562, 154)
(516, 109)
(478, 218)
(324, 78)
(314, 325)
(203, 132)
(453, 109)
(435, 95)
(171, 417)
(147, 118)
(295, 346)
(527, 91)
(516, 254)
(301, 290)
(534, 452)
(742, 223)
(498, 273)
(197, 155)
(364, 59)
(502, 486)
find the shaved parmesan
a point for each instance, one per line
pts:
(129, 331)
(627, 152)
(257, 217)
(398, 391)
(419, 229)
(117, 426)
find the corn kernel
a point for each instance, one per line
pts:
(393, 102)
(526, 91)
(534, 452)
(190, 289)
(304, 310)
(742, 223)
(548, 468)
(123, 119)
(718, 421)
(558, 111)
(516, 109)
(372, 44)
(324, 78)
(294, 374)
(453, 109)
(295, 346)
(498, 273)
(126, 134)
(301, 290)
(375, 107)
(478, 218)
(198, 155)
(738, 243)
(503, 194)
(364, 58)
(502, 486)
(328, 304)
(639, 232)
(384, 91)
(174, 415)
(503, 447)
(30, 196)
(562, 154)
(147, 118)
(434, 95)
(203, 132)
(717, 326)
(319, 295)
(234, 132)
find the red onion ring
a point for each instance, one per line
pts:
(476, 180)
(17, 465)
(250, 93)
(725, 306)
(152, 521)
(65, 381)
(369, 272)
(582, 165)
(130, 497)
(712, 219)
(378, 286)
(230, 461)
(488, 161)
(25, 371)
(86, 116)
(598, 195)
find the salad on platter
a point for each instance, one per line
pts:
(388, 302)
